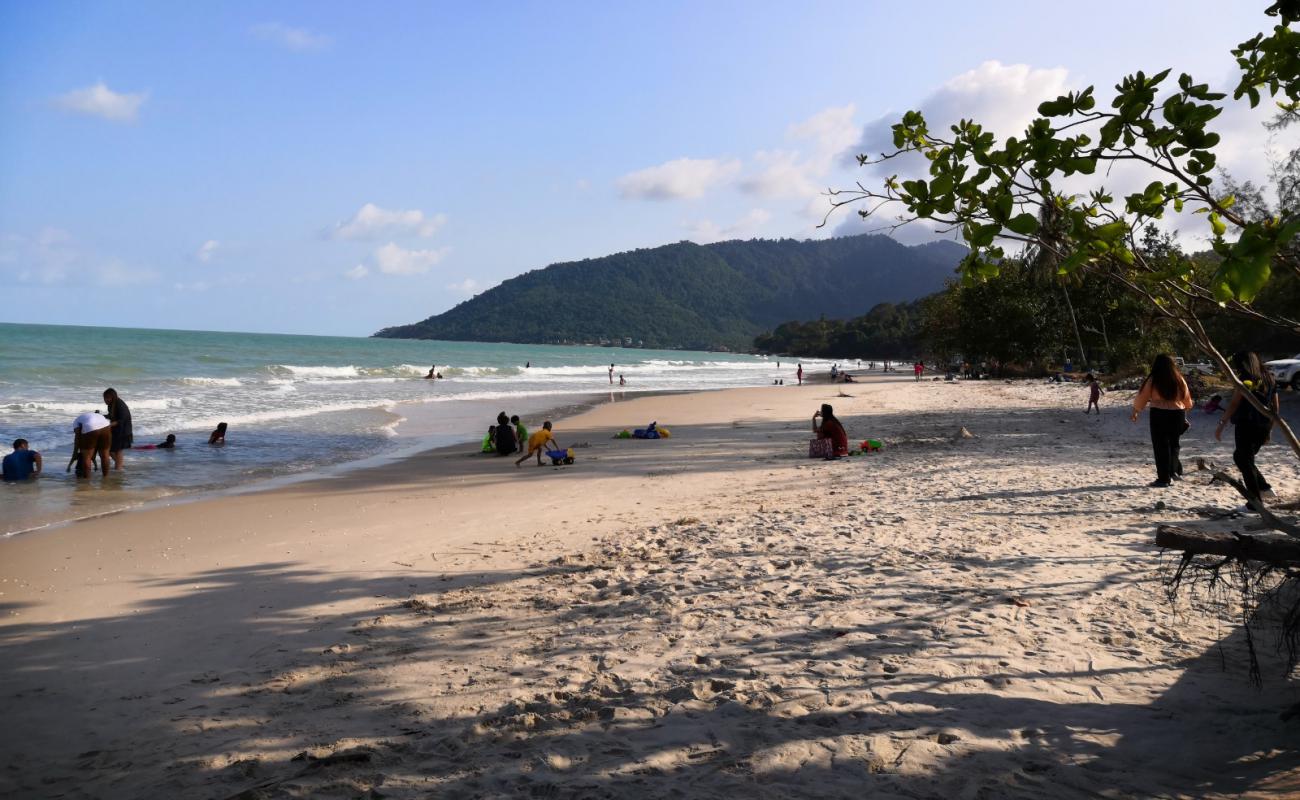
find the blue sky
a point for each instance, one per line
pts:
(329, 167)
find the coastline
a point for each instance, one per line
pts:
(416, 444)
(949, 612)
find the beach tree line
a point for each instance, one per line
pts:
(1029, 320)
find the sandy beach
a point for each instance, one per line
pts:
(711, 615)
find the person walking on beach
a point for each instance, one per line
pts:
(1250, 428)
(611, 374)
(798, 373)
(119, 419)
(22, 463)
(830, 428)
(538, 442)
(93, 437)
(918, 368)
(1094, 394)
(1167, 393)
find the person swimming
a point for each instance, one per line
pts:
(168, 444)
(219, 435)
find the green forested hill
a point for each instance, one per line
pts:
(695, 296)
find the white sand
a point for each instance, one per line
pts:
(712, 615)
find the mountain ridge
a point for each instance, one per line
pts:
(694, 296)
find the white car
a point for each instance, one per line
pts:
(1286, 371)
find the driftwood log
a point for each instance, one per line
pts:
(1269, 519)
(1272, 548)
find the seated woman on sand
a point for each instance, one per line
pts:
(219, 435)
(830, 428)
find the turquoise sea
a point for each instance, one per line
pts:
(293, 403)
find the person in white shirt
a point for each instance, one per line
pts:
(93, 437)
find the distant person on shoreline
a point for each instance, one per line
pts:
(489, 441)
(1094, 394)
(1167, 393)
(611, 374)
(119, 420)
(1250, 428)
(621, 381)
(218, 436)
(433, 373)
(93, 436)
(22, 463)
(830, 428)
(537, 443)
(918, 368)
(528, 365)
(799, 374)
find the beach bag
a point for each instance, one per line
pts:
(821, 448)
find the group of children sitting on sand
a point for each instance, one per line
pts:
(509, 436)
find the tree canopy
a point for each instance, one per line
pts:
(1044, 191)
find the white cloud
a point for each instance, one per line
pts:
(358, 272)
(782, 174)
(803, 172)
(467, 287)
(100, 101)
(371, 222)
(48, 257)
(394, 260)
(51, 257)
(207, 250)
(746, 227)
(1001, 97)
(682, 178)
(299, 40)
(831, 130)
(116, 272)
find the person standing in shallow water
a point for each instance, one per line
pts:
(1166, 392)
(611, 374)
(119, 419)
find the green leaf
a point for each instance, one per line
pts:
(982, 235)
(1111, 231)
(1217, 225)
(1024, 224)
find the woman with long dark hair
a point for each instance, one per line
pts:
(830, 428)
(1250, 428)
(1166, 392)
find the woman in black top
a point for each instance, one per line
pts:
(1250, 428)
